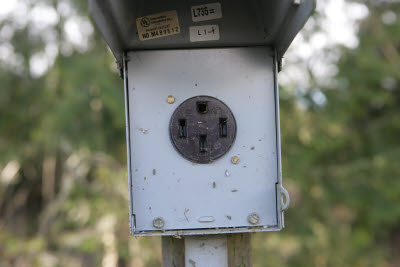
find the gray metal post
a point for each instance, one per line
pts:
(207, 250)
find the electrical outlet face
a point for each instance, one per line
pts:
(203, 141)
(202, 129)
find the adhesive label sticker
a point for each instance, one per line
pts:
(206, 12)
(204, 33)
(158, 25)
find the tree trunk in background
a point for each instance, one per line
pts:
(48, 178)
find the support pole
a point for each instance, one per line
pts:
(239, 250)
(207, 251)
(173, 251)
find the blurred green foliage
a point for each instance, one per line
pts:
(63, 186)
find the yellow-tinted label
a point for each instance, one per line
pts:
(158, 25)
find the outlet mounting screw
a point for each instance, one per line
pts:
(253, 218)
(235, 160)
(158, 222)
(170, 99)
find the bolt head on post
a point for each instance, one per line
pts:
(170, 99)
(253, 218)
(158, 223)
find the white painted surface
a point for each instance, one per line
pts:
(206, 251)
(178, 190)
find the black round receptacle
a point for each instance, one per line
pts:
(202, 129)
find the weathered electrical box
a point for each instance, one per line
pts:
(202, 110)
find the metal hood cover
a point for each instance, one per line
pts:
(272, 23)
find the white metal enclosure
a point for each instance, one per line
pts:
(203, 198)
(229, 51)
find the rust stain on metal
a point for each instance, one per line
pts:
(177, 236)
(154, 171)
(144, 131)
(186, 211)
(170, 99)
(235, 160)
(192, 262)
(214, 185)
(234, 190)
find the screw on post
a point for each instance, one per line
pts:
(170, 99)
(158, 222)
(253, 218)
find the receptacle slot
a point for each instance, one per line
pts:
(182, 128)
(203, 143)
(202, 107)
(223, 127)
